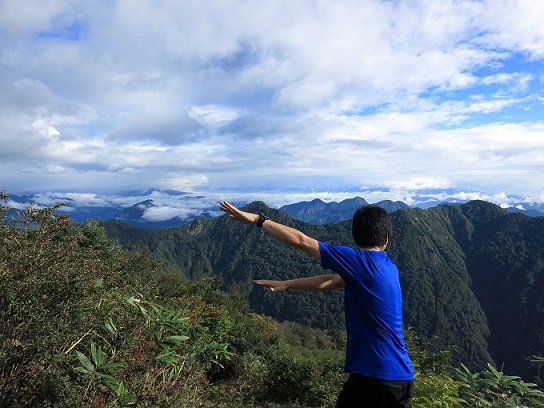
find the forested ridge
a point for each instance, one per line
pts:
(472, 274)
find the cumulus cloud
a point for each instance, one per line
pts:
(302, 98)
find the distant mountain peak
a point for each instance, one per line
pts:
(319, 212)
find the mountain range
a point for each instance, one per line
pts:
(472, 274)
(155, 208)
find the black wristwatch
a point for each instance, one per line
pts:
(262, 219)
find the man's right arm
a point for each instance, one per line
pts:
(293, 238)
(320, 283)
(283, 233)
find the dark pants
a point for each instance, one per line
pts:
(365, 392)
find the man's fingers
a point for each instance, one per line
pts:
(225, 206)
(229, 209)
(261, 282)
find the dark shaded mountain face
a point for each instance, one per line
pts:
(472, 274)
(505, 257)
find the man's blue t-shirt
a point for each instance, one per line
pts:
(373, 308)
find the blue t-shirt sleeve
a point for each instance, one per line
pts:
(339, 259)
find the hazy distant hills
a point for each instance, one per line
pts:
(472, 274)
(155, 209)
(152, 209)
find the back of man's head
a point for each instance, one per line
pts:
(371, 226)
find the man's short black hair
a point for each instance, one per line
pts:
(371, 226)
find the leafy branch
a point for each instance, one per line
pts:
(97, 368)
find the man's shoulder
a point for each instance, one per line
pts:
(337, 248)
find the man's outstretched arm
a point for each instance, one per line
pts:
(320, 283)
(283, 233)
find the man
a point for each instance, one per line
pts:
(380, 371)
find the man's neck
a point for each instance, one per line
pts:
(375, 248)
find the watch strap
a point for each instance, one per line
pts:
(262, 219)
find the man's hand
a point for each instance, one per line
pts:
(273, 285)
(238, 215)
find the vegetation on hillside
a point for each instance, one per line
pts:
(472, 275)
(86, 323)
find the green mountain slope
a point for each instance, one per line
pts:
(472, 274)
(438, 300)
(505, 255)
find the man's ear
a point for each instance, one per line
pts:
(386, 241)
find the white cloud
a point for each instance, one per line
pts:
(45, 129)
(167, 213)
(213, 117)
(420, 183)
(515, 24)
(79, 199)
(54, 169)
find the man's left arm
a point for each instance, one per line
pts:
(320, 283)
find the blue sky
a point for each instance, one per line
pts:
(273, 100)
